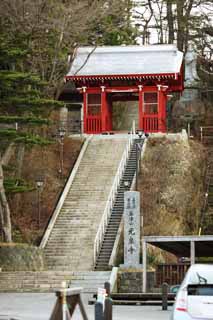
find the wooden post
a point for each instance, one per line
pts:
(67, 300)
(140, 107)
(107, 287)
(108, 302)
(165, 296)
(85, 109)
(108, 309)
(103, 110)
(144, 266)
(192, 252)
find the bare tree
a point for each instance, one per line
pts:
(5, 216)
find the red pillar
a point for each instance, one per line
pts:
(103, 110)
(140, 108)
(161, 110)
(85, 109)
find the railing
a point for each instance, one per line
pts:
(150, 123)
(93, 123)
(206, 133)
(206, 196)
(110, 201)
(170, 273)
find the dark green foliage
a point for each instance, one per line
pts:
(15, 185)
(22, 94)
(31, 120)
(23, 137)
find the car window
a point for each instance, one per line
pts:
(200, 290)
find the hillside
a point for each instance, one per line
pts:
(39, 161)
(171, 185)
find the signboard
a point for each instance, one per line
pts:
(132, 229)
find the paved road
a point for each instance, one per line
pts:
(37, 306)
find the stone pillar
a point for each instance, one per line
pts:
(192, 252)
(144, 266)
(132, 229)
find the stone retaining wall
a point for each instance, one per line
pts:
(131, 281)
(21, 257)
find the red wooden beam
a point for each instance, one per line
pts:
(125, 76)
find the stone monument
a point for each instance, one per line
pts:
(132, 230)
(189, 109)
(192, 80)
(191, 77)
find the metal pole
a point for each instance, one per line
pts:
(201, 134)
(39, 208)
(136, 177)
(189, 130)
(62, 156)
(144, 265)
(64, 301)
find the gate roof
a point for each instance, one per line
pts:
(180, 245)
(152, 60)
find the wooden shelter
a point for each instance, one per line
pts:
(146, 74)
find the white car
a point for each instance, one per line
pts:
(194, 300)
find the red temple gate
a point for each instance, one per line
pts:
(151, 89)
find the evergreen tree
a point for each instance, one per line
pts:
(22, 101)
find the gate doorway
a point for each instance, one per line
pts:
(124, 110)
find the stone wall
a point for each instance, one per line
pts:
(21, 257)
(131, 281)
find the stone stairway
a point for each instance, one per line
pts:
(102, 262)
(70, 244)
(49, 281)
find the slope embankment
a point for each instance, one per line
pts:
(171, 185)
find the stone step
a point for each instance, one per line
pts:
(81, 213)
(49, 281)
(117, 211)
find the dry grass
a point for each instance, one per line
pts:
(171, 185)
(24, 207)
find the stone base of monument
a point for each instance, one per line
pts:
(129, 266)
(130, 280)
(188, 111)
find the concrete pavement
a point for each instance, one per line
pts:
(38, 306)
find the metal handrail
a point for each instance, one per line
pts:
(110, 201)
(206, 196)
(202, 129)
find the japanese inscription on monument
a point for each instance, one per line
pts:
(131, 229)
